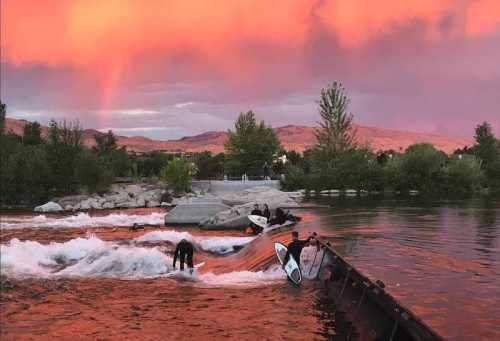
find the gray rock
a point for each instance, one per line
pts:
(153, 203)
(108, 205)
(194, 212)
(49, 207)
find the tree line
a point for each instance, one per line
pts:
(34, 169)
(337, 161)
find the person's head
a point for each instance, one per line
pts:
(265, 206)
(256, 206)
(183, 240)
(295, 235)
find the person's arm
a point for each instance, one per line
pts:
(176, 254)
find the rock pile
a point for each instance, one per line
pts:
(120, 196)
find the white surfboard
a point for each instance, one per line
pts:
(258, 220)
(291, 267)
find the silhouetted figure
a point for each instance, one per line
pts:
(279, 218)
(184, 251)
(266, 213)
(256, 210)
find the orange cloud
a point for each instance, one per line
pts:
(77, 32)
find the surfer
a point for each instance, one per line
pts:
(184, 251)
(266, 213)
(136, 227)
(296, 246)
(256, 210)
(280, 217)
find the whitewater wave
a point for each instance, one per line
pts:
(219, 245)
(92, 257)
(82, 220)
(244, 278)
(84, 257)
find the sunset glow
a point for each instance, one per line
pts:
(256, 51)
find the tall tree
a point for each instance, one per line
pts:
(486, 144)
(105, 142)
(32, 134)
(64, 146)
(3, 111)
(250, 146)
(336, 132)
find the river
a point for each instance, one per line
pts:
(87, 275)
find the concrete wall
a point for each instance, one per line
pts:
(221, 186)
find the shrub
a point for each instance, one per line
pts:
(177, 174)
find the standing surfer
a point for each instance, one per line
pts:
(184, 251)
(296, 246)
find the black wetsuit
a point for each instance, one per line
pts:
(295, 249)
(256, 211)
(280, 218)
(184, 250)
(266, 214)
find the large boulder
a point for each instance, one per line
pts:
(194, 212)
(236, 216)
(49, 207)
(261, 195)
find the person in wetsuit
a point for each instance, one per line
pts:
(280, 217)
(256, 210)
(184, 251)
(296, 246)
(266, 213)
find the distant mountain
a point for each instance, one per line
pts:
(292, 137)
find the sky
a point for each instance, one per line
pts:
(172, 68)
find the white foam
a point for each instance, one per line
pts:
(84, 257)
(220, 245)
(92, 257)
(244, 278)
(82, 220)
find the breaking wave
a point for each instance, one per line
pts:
(219, 245)
(82, 220)
(92, 257)
(244, 278)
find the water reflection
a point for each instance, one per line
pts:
(441, 258)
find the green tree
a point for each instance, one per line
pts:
(250, 146)
(25, 176)
(462, 175)
(209, 166)
(393, 173)
(116, 158)
(421, 166)
(64, 146)
(177, 174)
(32, 134)
(3, 112)
(487, 148)
(105, 143)
(336, 132)
(91, 172)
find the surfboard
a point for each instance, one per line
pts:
(258, 220)
(292, 269)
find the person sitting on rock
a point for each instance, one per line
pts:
(256, 210)
(184, 251)
(280, 217)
